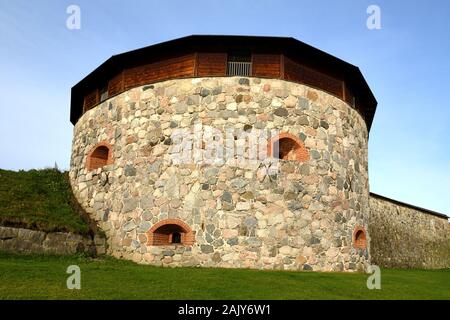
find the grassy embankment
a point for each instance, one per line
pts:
(39, 200)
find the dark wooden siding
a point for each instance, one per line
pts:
(360, 108)
(115, 85)
(294, 71)
(348, 96)
(266, 65)
(90, 100)
(211, 64)
(204, 64)
(178, 67)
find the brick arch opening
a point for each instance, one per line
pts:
(99, 156)
(359, 238)
(170, 232)
(286, 146)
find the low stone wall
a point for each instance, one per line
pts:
(60, 243)
(403, 236)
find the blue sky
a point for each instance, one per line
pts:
(406, 64)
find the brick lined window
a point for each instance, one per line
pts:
(170, 232)
(100, 155)
(286, 146)
(359, 238)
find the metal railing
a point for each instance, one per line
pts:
(239, 68)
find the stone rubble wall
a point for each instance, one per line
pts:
(302, 218)
(39, 242)
(404, 237)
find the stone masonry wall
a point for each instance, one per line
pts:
(302, 217)
(60, 243)
(404, 237)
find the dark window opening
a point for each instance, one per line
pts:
(239, 65)
(285, 149)
(176, 237)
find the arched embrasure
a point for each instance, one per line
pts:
(170, 232)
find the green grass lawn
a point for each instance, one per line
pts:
(39, 200)
(44, 277)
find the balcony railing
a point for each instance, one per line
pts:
(239, 68)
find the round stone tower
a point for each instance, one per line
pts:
(226, 151)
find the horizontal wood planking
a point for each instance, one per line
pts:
(90, 100)
(215, 64)
(294, 71)
(348, 96)
(116, 85)
(211, 64)
(179, 67)
(266, 65)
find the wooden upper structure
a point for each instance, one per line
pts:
(209, 56)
